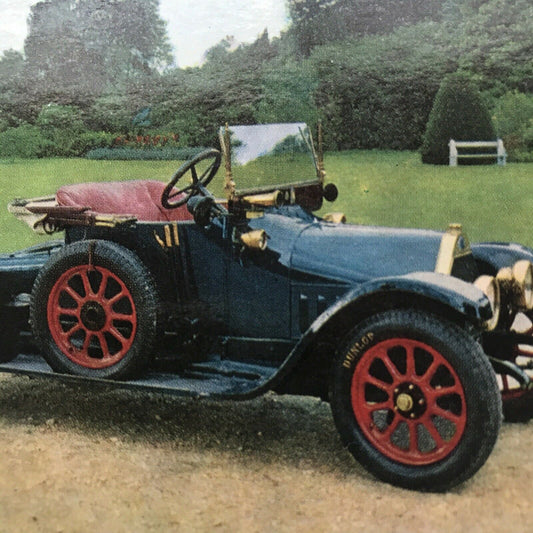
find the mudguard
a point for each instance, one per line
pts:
(18, 270)
(462, 297)
(500, 254)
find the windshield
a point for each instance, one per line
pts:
(271, 154)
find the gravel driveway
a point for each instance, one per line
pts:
(81, 459)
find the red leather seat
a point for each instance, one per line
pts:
(141, 199)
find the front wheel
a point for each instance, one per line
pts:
(415, 400)
(94, 311)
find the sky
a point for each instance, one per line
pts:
(193, 26)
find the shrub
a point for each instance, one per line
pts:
(458, 113)
(513, 118)
(91, 140)
(61, 125)
(26, 141)
(144, 154)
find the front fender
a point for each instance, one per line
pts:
(460, 297)
(497, 255)
(453, 292)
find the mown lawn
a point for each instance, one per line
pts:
(376, 187)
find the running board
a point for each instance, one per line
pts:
(219, 379)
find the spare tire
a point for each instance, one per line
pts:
(94, 311)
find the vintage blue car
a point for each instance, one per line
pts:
(414, 336)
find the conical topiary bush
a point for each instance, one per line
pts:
(458, 113)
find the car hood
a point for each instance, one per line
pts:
(347, 252)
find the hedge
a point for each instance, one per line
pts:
(144, 154)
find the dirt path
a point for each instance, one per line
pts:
(76, 459)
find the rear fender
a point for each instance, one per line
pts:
(18, 270)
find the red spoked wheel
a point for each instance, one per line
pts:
(94, 311)
(415, 399)
(408, 401)
(92, 316)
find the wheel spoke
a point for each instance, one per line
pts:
(444, 413)
(382, 385)
(114, 299)
(86, 284)
(69, 312)
(410, 371)
(103, 344)
(74, 329)
(391, 367)
(427, 376)
(434, 393)
(380, 406)
(432, 430)
(86, 343)
(103, 285)
(413, 436)
(73, 294)
(118, 335)
(121, 316)
(387, 434)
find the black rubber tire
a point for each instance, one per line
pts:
(481, 396)
(125, 266)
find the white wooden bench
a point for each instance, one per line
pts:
(499, 151)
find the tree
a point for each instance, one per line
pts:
(11, 70)
(75, 49)
(317, 22)
(458, 113)
(497, 43)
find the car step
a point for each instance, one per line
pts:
(222, 379)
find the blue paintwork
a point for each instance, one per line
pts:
(500, 254)
(345, 252)
(255, 302)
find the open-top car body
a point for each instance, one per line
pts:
(414, 336)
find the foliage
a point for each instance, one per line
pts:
(318, 22)
(377, 92)
(144, 154)
(80, 47)
(60, 125)
(91, 140)
(496, 43)
(110, 112)
(287, 93)
(25, 141)
(513, 118)
(369, 69)
(458, 113)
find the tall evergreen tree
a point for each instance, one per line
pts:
(458, 113)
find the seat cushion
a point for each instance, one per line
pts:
(141, 199)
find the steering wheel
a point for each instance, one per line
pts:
(198, 183)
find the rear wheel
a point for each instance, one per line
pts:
(415, 400)
(93, 311)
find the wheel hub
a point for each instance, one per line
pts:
(409, 400)
(93, 316)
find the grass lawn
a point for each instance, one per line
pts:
(376, 187)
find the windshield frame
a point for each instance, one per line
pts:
(230, 187)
